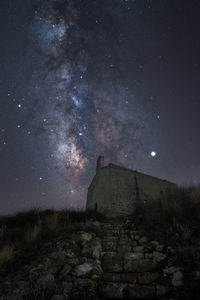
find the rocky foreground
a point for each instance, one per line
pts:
(118, 263)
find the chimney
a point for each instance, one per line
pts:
(100, 163)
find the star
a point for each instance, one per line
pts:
(153, 153)
(19, 105)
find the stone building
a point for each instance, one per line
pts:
(116, 191)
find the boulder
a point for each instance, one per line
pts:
(177, 279)
(109, 244)
(87, 269)
(154, 244)
(75, 261)
(159, 256)
(92, 249)
(171, 270)
(112, 290)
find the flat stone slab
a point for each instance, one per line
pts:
(133, 256)
(112, 277)
(148, 277)
(142, 265)
(112, 262)
(129, 277)
(141, 292)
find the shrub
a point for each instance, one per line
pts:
(6, 254)
(174, 218)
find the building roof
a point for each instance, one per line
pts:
(130, 170)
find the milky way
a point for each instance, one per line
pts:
(88, 109)
(86, 78)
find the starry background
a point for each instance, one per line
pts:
(86, 78)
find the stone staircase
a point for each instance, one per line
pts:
(133, 267)
(103, 260)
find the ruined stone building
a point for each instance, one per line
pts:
(116, 191)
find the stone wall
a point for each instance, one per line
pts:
(107, 260)
(116, 191)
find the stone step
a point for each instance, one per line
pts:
(119, 290)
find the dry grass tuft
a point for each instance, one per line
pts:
(52, 221)
(31, 233)
(3, 231)
(6, 254)
(195, 195)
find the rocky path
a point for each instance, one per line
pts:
(134, 268)
(103, 260)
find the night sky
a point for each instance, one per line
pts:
(83, 78)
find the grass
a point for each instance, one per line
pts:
(23, 235)
(6, 254)
(173, 219)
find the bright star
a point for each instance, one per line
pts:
(19, 105)
(153, 153)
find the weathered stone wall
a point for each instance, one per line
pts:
(116, 191)
(114, 261)
(99, 192)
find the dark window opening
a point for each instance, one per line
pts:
(95, 208)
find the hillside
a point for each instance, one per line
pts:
(76, 255)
